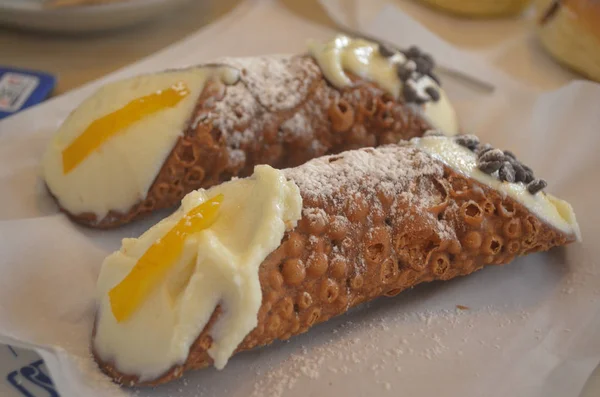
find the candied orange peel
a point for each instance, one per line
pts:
(104, 128)
(152, 267)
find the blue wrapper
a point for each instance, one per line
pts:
(20, 89)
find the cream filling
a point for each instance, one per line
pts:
(119, 173)
(567, 38)
(555, 212)
(363, 59)
(217, 266)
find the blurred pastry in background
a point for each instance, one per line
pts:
(480, 8)
(570, 31)
(78, 3)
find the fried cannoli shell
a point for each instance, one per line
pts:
(360, 239)
(324, 120)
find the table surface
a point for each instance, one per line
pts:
(86, 58)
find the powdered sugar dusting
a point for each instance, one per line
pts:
(277, 382)
(237, 157)
(402, 173)
(387, 349)
(315, 215)
(359, 184)
(235, 115)
(298, 124)
(307, 119)
(237, 107)
(268, 85)
(394, 169)
(276, 81)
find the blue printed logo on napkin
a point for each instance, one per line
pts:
(29, 380)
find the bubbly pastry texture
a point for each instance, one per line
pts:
(365, 59)
(140, 145)
(217, 267)
(555, 212)
(131, 158)
(375, 222)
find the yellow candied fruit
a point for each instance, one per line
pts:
(102, 129)
(127, 296)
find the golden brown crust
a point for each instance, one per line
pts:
(480, 8)
(585, 12)
(588, 11)
(377, 245)
(359, 116)
(570, 31)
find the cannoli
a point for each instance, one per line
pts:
(267, 257)
(480, 8)
(141, 144)
(570, 31)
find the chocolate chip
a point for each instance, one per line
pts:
(490, 167)
(536, 185)
(529, 175)
(509, 168)
(507, 172)
(410, 65)
(433, 94)
(413, 52)
(484, 148)
(512, 160)
(519, 171)
(522, 172)
(386, 50)
(410, 95)
(423, 66)
(492, 155)
(403, 72)
(468, 141)
(429, 60)
(434, 78)
(433, 133)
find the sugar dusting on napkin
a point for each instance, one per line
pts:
(533, 323)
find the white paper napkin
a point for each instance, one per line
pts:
(531, 326)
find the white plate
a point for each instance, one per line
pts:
(30, 14)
